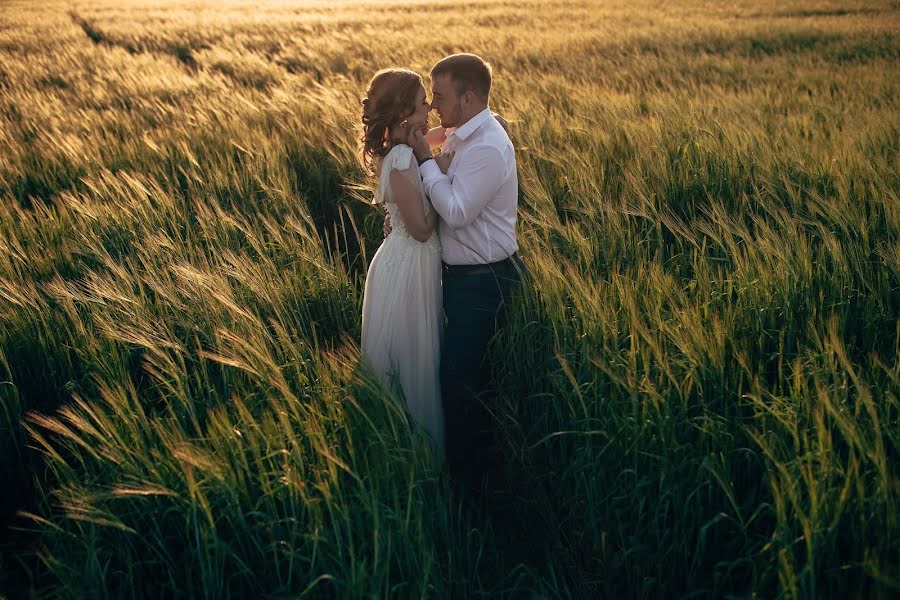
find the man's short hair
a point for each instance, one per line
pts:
(468, 72)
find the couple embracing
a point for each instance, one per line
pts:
(449, 261)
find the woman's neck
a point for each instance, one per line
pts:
(396, 136)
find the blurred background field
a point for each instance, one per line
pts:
(698, 394)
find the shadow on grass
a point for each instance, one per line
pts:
(347, 227)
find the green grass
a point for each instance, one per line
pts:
(697, 394)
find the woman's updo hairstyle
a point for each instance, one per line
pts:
(390, 98)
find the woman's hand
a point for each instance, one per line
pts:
(443, 160)
(503, 122)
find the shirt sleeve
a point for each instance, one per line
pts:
(476, 180)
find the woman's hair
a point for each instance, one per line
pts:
(390, 97)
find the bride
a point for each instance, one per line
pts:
(402, 314)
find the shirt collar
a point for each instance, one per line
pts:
(469, 127)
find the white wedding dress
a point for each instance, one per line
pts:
(402, 315)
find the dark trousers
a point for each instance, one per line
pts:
(473, 304)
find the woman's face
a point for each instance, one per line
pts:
(419, 117)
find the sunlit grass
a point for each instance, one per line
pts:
(698, 393)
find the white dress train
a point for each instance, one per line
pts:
(402, 315)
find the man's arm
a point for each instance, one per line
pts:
(476, 180)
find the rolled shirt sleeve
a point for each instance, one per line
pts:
(476, 180)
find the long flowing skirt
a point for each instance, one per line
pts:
(402, 325)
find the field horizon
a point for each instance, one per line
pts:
(698, 394)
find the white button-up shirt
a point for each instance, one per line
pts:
(477, 198)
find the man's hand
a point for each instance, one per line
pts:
(387, 225)
(419, 144)
(443, 160)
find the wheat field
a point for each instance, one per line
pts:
(698, 392)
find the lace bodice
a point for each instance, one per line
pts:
(400, 158)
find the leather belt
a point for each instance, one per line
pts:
(460, 270)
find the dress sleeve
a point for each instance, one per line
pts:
(400, 158)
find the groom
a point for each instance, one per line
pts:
(476, 200)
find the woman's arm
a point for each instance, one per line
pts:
(409, 201)
(435, 137)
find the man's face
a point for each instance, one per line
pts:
(446, 100)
